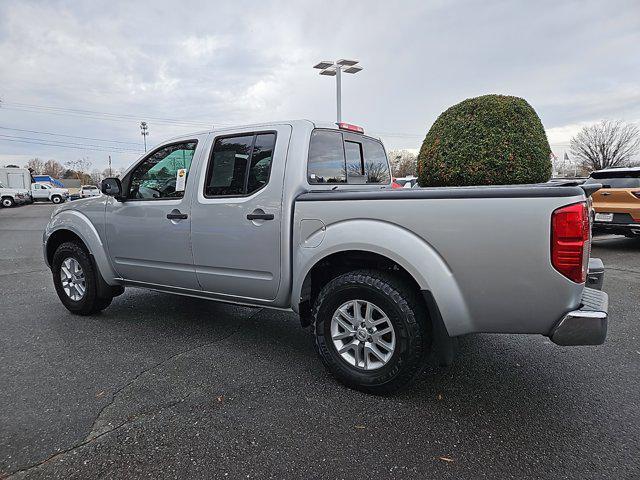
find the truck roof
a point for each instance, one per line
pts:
(294, 123)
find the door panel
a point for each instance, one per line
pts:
(236, 255)
(146, 246)
(149, 234)
(39, 191)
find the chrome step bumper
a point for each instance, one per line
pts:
(588, 324)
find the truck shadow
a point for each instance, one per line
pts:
(253, 373)
(616, 243)
(502, 383)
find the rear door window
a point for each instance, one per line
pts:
(239, 165)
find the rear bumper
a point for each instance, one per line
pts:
(617, 228)
(588, 324)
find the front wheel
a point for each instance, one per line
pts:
(56, 199)
(371, 330)
(7, 202)
(76, 280)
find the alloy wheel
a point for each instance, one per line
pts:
(72, 277)
(363, 335)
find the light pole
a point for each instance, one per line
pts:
(144, 131)
(335, 69)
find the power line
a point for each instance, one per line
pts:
(94, 114)
(68, 136)
(54, 143)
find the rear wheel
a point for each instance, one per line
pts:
(56, 199)
(372, 331)
(75, 280)
(7, 202)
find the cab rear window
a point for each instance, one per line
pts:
(336, 158)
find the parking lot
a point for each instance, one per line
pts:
(167, 386)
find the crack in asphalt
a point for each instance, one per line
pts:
(637, 272)
(92, 438)
(24, 273)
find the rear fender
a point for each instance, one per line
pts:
(411, 252)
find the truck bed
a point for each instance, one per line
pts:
(484, 252)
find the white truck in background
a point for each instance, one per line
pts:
(41, 191)
(13, 196)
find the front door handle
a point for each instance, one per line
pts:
(176, 215)
(606, 194)
(259, 215)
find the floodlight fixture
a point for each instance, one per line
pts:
(323, 65)
(333, 69)
(347, 63)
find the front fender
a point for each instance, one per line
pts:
(411, 252)
(78, 223)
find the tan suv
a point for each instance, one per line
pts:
(617, 204)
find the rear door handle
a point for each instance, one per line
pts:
(260, 216)
(176, 215)
(604, 194)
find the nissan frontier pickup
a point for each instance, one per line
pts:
(301, 216)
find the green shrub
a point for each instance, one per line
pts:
(488, 140)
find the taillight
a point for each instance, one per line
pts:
(570, 235)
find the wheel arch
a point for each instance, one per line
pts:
(71, 225)
(392, 247)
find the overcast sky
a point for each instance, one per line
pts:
(183, 66)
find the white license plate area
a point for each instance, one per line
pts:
(604, 217)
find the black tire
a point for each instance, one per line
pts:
(402, 304)
(90, 303)
(7, 202)
(56, 199)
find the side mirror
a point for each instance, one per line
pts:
(112, 187)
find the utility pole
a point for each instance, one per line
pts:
(144, 131)
(110, 174)
(335, 69)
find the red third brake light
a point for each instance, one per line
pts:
(350, 127)
(570, 234)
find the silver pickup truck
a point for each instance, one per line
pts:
(301, 216)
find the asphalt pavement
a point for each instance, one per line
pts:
(165, 386)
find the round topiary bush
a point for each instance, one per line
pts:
(488, 140)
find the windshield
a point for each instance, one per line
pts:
(623, 179)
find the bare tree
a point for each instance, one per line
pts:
(36, 165)
(80, 166)
(111, 172)
(53, 169)
(96, 176)
(403, 163)
(606, 144)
